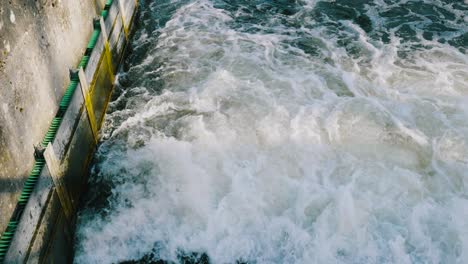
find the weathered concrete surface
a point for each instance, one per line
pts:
(45, 231)
(39, 41)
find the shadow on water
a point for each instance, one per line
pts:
(191, 258)
(182, 258)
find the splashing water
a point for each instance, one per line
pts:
(257, 131)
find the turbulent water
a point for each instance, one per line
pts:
(282, 131)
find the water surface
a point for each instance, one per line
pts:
(285, 132)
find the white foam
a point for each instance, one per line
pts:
(258, 151)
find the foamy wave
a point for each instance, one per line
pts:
(285, 134)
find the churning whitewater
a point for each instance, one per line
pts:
(285, 131)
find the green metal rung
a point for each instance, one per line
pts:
(25, 194)
(93, 40)
(39, 163)
(24, 197)
(84, 62)
(50, 135)
(30, 181)
(104, 14)
(108, 4)
(67, 97)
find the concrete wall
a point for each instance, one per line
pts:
(39, 41)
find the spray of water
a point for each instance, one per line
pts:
(286, 132)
